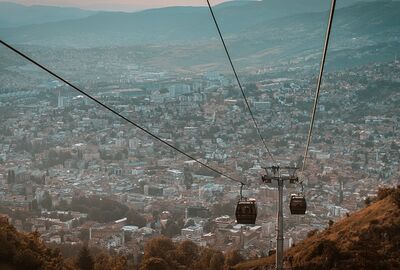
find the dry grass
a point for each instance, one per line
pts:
(368, 239)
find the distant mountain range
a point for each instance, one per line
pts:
(172, 25)
(256, 31)
(12, 15)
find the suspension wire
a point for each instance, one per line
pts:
(321, 71)
(116, 113)
(239, 83)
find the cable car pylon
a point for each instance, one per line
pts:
(274, 174)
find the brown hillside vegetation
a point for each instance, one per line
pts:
(25, 251)
(368, 239)
(161, 253)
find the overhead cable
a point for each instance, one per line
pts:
(239, 83)
(321, 72)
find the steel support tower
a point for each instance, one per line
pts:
(274, 174)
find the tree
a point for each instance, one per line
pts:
(155, 214)
(187, 253)
(171, 229)
(84, 235)
(217, 261)
(63, 205)
(209, 226)
(367, 201)
(11, 177)
(155, 264)
(106, 262)
(119, 263)
(102, 262)
(355, 166)
(394, 146)
(85, 259)
(188, 178)
(161, 247)
(331, 222)
(34, 205)
(223, 209)
(47, 202)
(98, 208)
(27, 260)
(25, 251)
(232, 258)
(384, 192)
(312, 233)
(385, 159)
(134, 218)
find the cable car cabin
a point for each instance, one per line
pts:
(246, 211)
(298, 205)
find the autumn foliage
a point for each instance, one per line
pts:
(26, 251)
(162, 253)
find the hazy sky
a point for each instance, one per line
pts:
(125, 5)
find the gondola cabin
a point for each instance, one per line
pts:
(298, 205)
(246, 211)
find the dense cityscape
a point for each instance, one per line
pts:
(145, 166)
(62, 155)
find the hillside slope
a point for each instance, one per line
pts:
(26, 251)
(367, 239)
(257, 22)
(185, 37)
